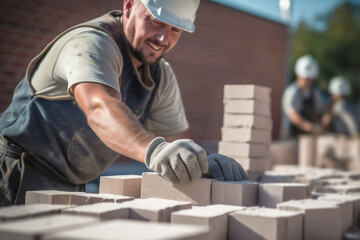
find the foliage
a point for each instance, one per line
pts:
(337, 48)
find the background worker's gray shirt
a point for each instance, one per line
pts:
(90, 55)
(293, 99)
(344, 118)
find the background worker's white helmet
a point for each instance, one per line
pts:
(340, 86)
(178, 13)
(307, 67)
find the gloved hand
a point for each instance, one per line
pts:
(317, 129)
(178, 161)
(224, 168)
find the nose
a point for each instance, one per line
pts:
(163, 36)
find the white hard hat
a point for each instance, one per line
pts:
(340, 86)
(307, 67)
(178, 13)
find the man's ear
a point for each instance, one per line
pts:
(128, 7)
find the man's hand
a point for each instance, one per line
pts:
(178, 161)
(224, 168)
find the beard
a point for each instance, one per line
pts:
(138, 52)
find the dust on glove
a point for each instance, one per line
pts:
(178, 161)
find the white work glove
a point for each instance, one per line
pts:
(224, 168)
(178, 161)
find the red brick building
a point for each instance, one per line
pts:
(228, 46)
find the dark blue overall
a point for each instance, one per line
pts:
(47, 143)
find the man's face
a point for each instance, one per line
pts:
(149, 38)
(305, 83)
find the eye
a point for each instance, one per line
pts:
(155, 21)
(176, 30)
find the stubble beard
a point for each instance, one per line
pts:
(138, 52)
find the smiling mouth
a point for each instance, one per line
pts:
(153, 46)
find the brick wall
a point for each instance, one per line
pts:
(229, 46)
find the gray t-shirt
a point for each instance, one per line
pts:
(293, 99)
(89, 55)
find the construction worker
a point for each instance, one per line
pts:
(87, 96)
(340, 116)
(302, 102)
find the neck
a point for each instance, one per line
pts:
(136, 62)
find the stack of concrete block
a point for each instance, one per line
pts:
(325, 216)
(329, 151)
(247, 125)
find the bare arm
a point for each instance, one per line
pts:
(111, 120)
(300, 122)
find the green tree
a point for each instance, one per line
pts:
(337, 48)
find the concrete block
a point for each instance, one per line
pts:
(238, 193)
(354, 200)
(103, 211)
(322, 220)
(325, 149)
(283, 152)
(265, 223)
(255, 176)
(350, 188)
(247, 107)
(244, 149)
(271, 194)
(197, 191)
(247, 91)
(91, 198)
(346, 211)
(37, 227)
(245, 135)
(127, 229)
(76, 198)
(127, 185)
(27, 211)
(307, 150)
(215, 217)
(252, 164)
(154, 209)
(49, 197)
(270, 177)
(247, 121)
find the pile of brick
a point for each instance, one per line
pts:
(202, 209)
(247, 125)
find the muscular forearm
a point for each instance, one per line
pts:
(118, 128)
(112, 120)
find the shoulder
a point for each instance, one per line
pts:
(292, 91)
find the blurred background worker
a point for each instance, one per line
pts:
(302, 102)
(341, 115)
